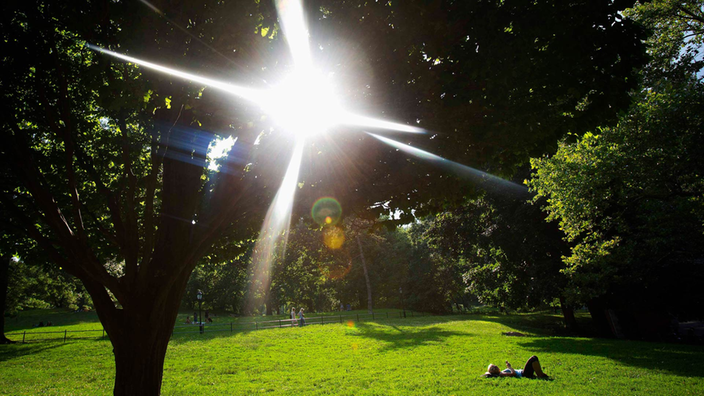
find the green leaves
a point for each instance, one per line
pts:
(630, 197)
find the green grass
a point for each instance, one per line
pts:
(414, 356)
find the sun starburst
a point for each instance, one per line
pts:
(305, 105)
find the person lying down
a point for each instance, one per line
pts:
(532, 369)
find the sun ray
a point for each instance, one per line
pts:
(276, 223)
(293, 23)
(250, 94)
(351, 119)
(487, 179)
(263, 98)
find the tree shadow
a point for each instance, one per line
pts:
(409, 336)
(28, 320)
(683, 360)
(13, 351)
(537, 324)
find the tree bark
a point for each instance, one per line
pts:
(4, 279)
(140, 336)
(568, 314)
(139, 360)
(267, 299)
(366, 276)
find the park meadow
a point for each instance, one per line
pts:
(436, 187)
(429, 355)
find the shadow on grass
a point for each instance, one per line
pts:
(538, 324)
(14, 351)
(27, 320)
(396, 337)
(684, 360)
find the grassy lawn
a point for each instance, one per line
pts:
(420, 356)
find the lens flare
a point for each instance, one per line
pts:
(333, 237)
(326, 211)
(305, 105)
(308, 99)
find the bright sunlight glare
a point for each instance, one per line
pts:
(304, 104)
(305, 99)
(219, 148)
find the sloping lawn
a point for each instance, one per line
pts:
(413, 356)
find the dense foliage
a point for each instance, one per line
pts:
(322, 268)
(105, 164)
(508, 255)
(630, 199)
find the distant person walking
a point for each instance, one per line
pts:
(293, 316)
(301, 317)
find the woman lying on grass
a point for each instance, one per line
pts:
(530, 370)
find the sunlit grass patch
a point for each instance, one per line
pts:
(413, 356)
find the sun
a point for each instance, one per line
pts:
(305, 103)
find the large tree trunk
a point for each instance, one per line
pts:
(140, 336)
(598, 311)
(4, 279)
(568, 314)
(139, 360)
(366, 276)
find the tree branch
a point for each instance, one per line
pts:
(131, 246)
(82, 272)
(33, 181)
(692, 15)
(65, 134)
(158, 151)
(113, 205)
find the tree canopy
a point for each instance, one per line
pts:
(107, 161)
(629, 197)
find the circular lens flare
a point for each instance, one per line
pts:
(333, 237)
(326, 211)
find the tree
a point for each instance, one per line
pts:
(98, 178)
(495, 82)
(306, 275)
(222, 276)
(676, 38)
(629, 197)
(4, 276)
(434, 282)
(508, 255)
(108, 161)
